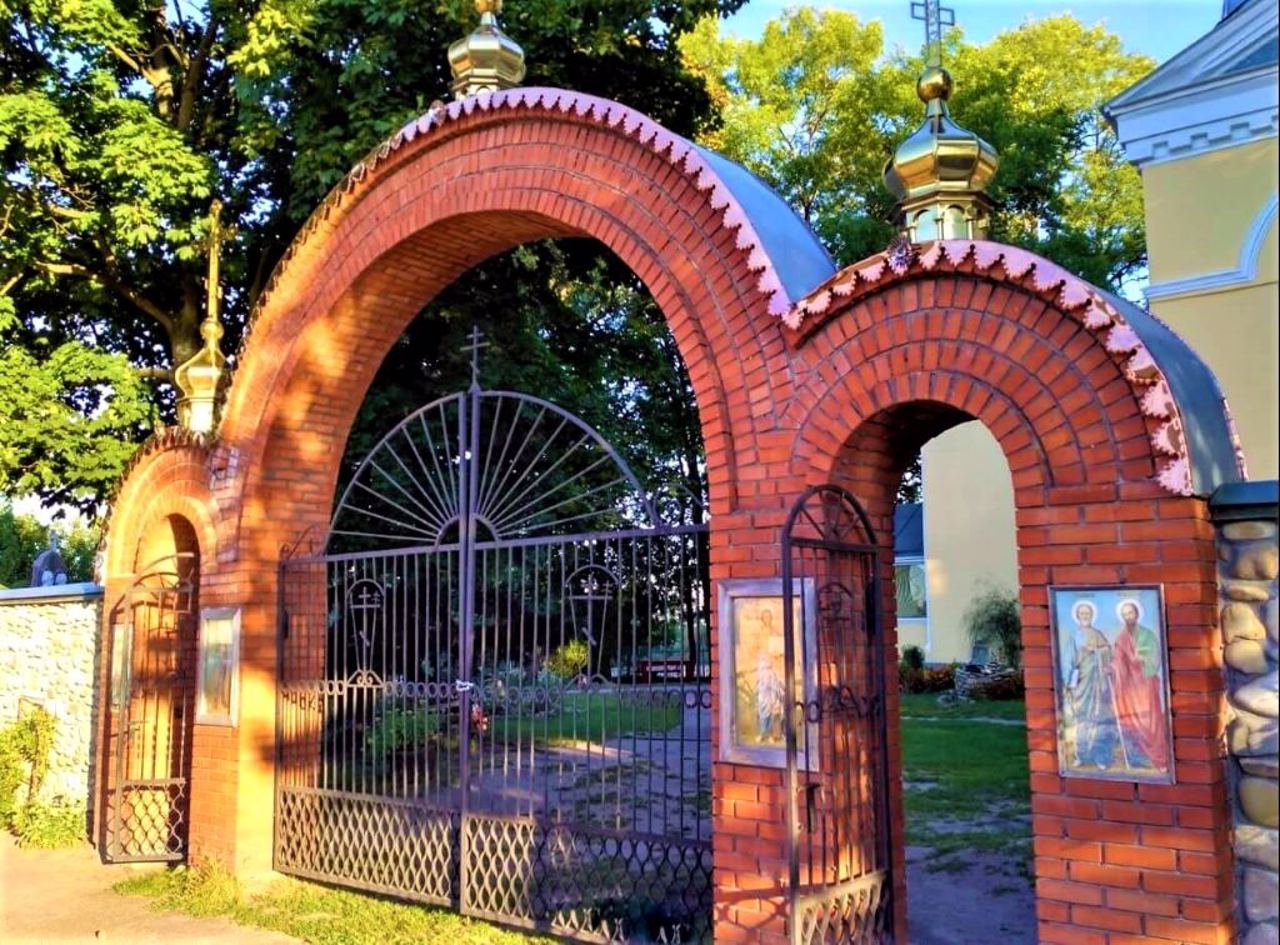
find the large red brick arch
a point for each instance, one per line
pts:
(463, 184)
(838, 383)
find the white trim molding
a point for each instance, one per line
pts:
(1244, 272)
(1195, 103)
(1219, 114)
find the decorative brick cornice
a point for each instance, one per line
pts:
(1069, 293)
(560, 104)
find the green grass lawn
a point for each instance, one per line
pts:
(925, 705)
(317, 914)
(587, 717)
(966, 782)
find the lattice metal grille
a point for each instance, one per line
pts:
(588, 885)
(478, 705)
(148, 820)
(854, 913)
(395, 847)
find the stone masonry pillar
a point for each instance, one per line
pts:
(1245, 517)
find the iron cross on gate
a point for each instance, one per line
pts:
(474, 349)
(935, 17)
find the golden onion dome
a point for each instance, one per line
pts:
(488, 59)
(940, 173)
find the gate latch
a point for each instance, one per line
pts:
(463, 685)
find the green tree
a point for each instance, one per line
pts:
(121, 122)
(816, 109)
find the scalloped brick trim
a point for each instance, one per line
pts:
(603, 112)
(1070, 293)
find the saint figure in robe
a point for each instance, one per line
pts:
(1139, 691)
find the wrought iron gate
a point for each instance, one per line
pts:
(152, 647)
(494, 688)
(837, 773)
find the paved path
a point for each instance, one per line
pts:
(65, 896)
(988, 719)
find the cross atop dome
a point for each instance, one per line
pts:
(941, 172)
(935, 17)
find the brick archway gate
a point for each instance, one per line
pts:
(802, 377)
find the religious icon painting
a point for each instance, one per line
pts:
(753, 669)
(1111, 683)
(217, 685)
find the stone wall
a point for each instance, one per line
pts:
(1245, 515)
(48, 656)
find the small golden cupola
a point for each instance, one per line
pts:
(941, 172)
(197, 379)
(488, 59)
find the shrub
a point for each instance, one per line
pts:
(24, 757)
(569, 659)
(49, 826)
(939, 679)
(994, 619)
(913, 658)
(401, 727)
(12, 773)
(999, 689)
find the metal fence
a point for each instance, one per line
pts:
(474, 721)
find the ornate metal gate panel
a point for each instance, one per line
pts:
(152, 648)
(477, 702)
(837, 773)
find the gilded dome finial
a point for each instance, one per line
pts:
(197, 379)
(488, 59)
(941, 172)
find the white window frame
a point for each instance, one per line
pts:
(927, 619)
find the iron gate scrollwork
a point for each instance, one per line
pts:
(152, 647)
(840, 883)
(467, 714)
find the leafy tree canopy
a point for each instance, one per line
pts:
(816, 108)
(121, 122)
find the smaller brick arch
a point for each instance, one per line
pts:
(168, 476)
(1102, 475)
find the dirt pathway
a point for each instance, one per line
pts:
(65, 896)
(984, 904)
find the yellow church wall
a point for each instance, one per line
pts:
(1201, 214)
(1199, 209)
(968, 533)
(1237, 333)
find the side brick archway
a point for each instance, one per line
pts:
(802, 376)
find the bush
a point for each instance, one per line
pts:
(999, 689)
(12, 773)
(401, 727)
(994, 620)
(49, 826)
(569, 659)
(939, 679)
(24, 757)
(913, 658)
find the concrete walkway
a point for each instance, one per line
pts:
(65, 896)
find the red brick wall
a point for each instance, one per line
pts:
(849, 400)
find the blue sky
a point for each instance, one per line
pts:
(1159, 29)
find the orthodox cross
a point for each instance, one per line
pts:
(935, 17)
(474, 349)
